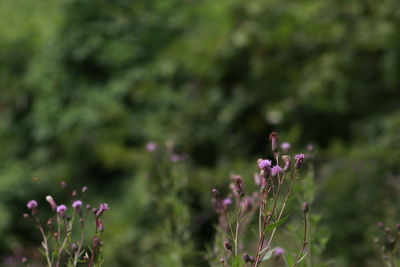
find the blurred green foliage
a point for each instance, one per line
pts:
(85, 84)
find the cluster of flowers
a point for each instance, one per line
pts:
(57, 235)
(173, 155)
(269, 200)
(387, 243)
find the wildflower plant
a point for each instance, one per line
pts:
(275, 185)
(60, 246)
(388, 244)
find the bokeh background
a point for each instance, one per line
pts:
(84, 85)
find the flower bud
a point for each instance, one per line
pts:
(246, 258)
(228, 246)
(305, 207)
(215, 193)
(51, 201)
(238, 185)
(63, 185)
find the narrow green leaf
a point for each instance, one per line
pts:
(289, 260)
(276, 224)
(302, 258)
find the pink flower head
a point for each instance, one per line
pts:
(285, 146)
(227, 201)
(62, 209)
(264, 163)
(275, 170)
(103, 207)
(299, 160)
(279, 251)
(32, 204)
(77, 204)
(151, 146)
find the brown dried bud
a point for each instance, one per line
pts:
(273, 137)
(286, 159)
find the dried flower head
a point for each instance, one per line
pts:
(273, 137)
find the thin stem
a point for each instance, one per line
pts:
(237, 225)
(283, 206)
(46, 244)
(304, 241)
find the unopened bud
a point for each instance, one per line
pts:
(238, 185)
(24, 260)
(228, 246)
(215, 193)
(25, 215)
(51, 202)
(305, 207)
(74, 246)
(380, 225)
(246, 258)
(74, 193)
(84, 189)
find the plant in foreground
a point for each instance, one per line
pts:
(388, 244)
(275, 182)
(58, 240)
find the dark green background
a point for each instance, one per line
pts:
(84, 85)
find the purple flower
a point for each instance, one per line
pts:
(299, 160)
(227, 201)
(32, 204)
(62, 209)
(279, 251)
(264, 163)
(77, 204)
(151, 146)
(275, 170)
(285, 146)
(103, 207)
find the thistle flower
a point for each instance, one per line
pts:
(32, 204)
(279, 251)
(77, 205)
(227, 201)
(62, 209)
(103, 207)
(299, 160)
(275, 170)
(264, 163)
(51, 202)
(151, 146)
(273, 137)
(285, 146)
